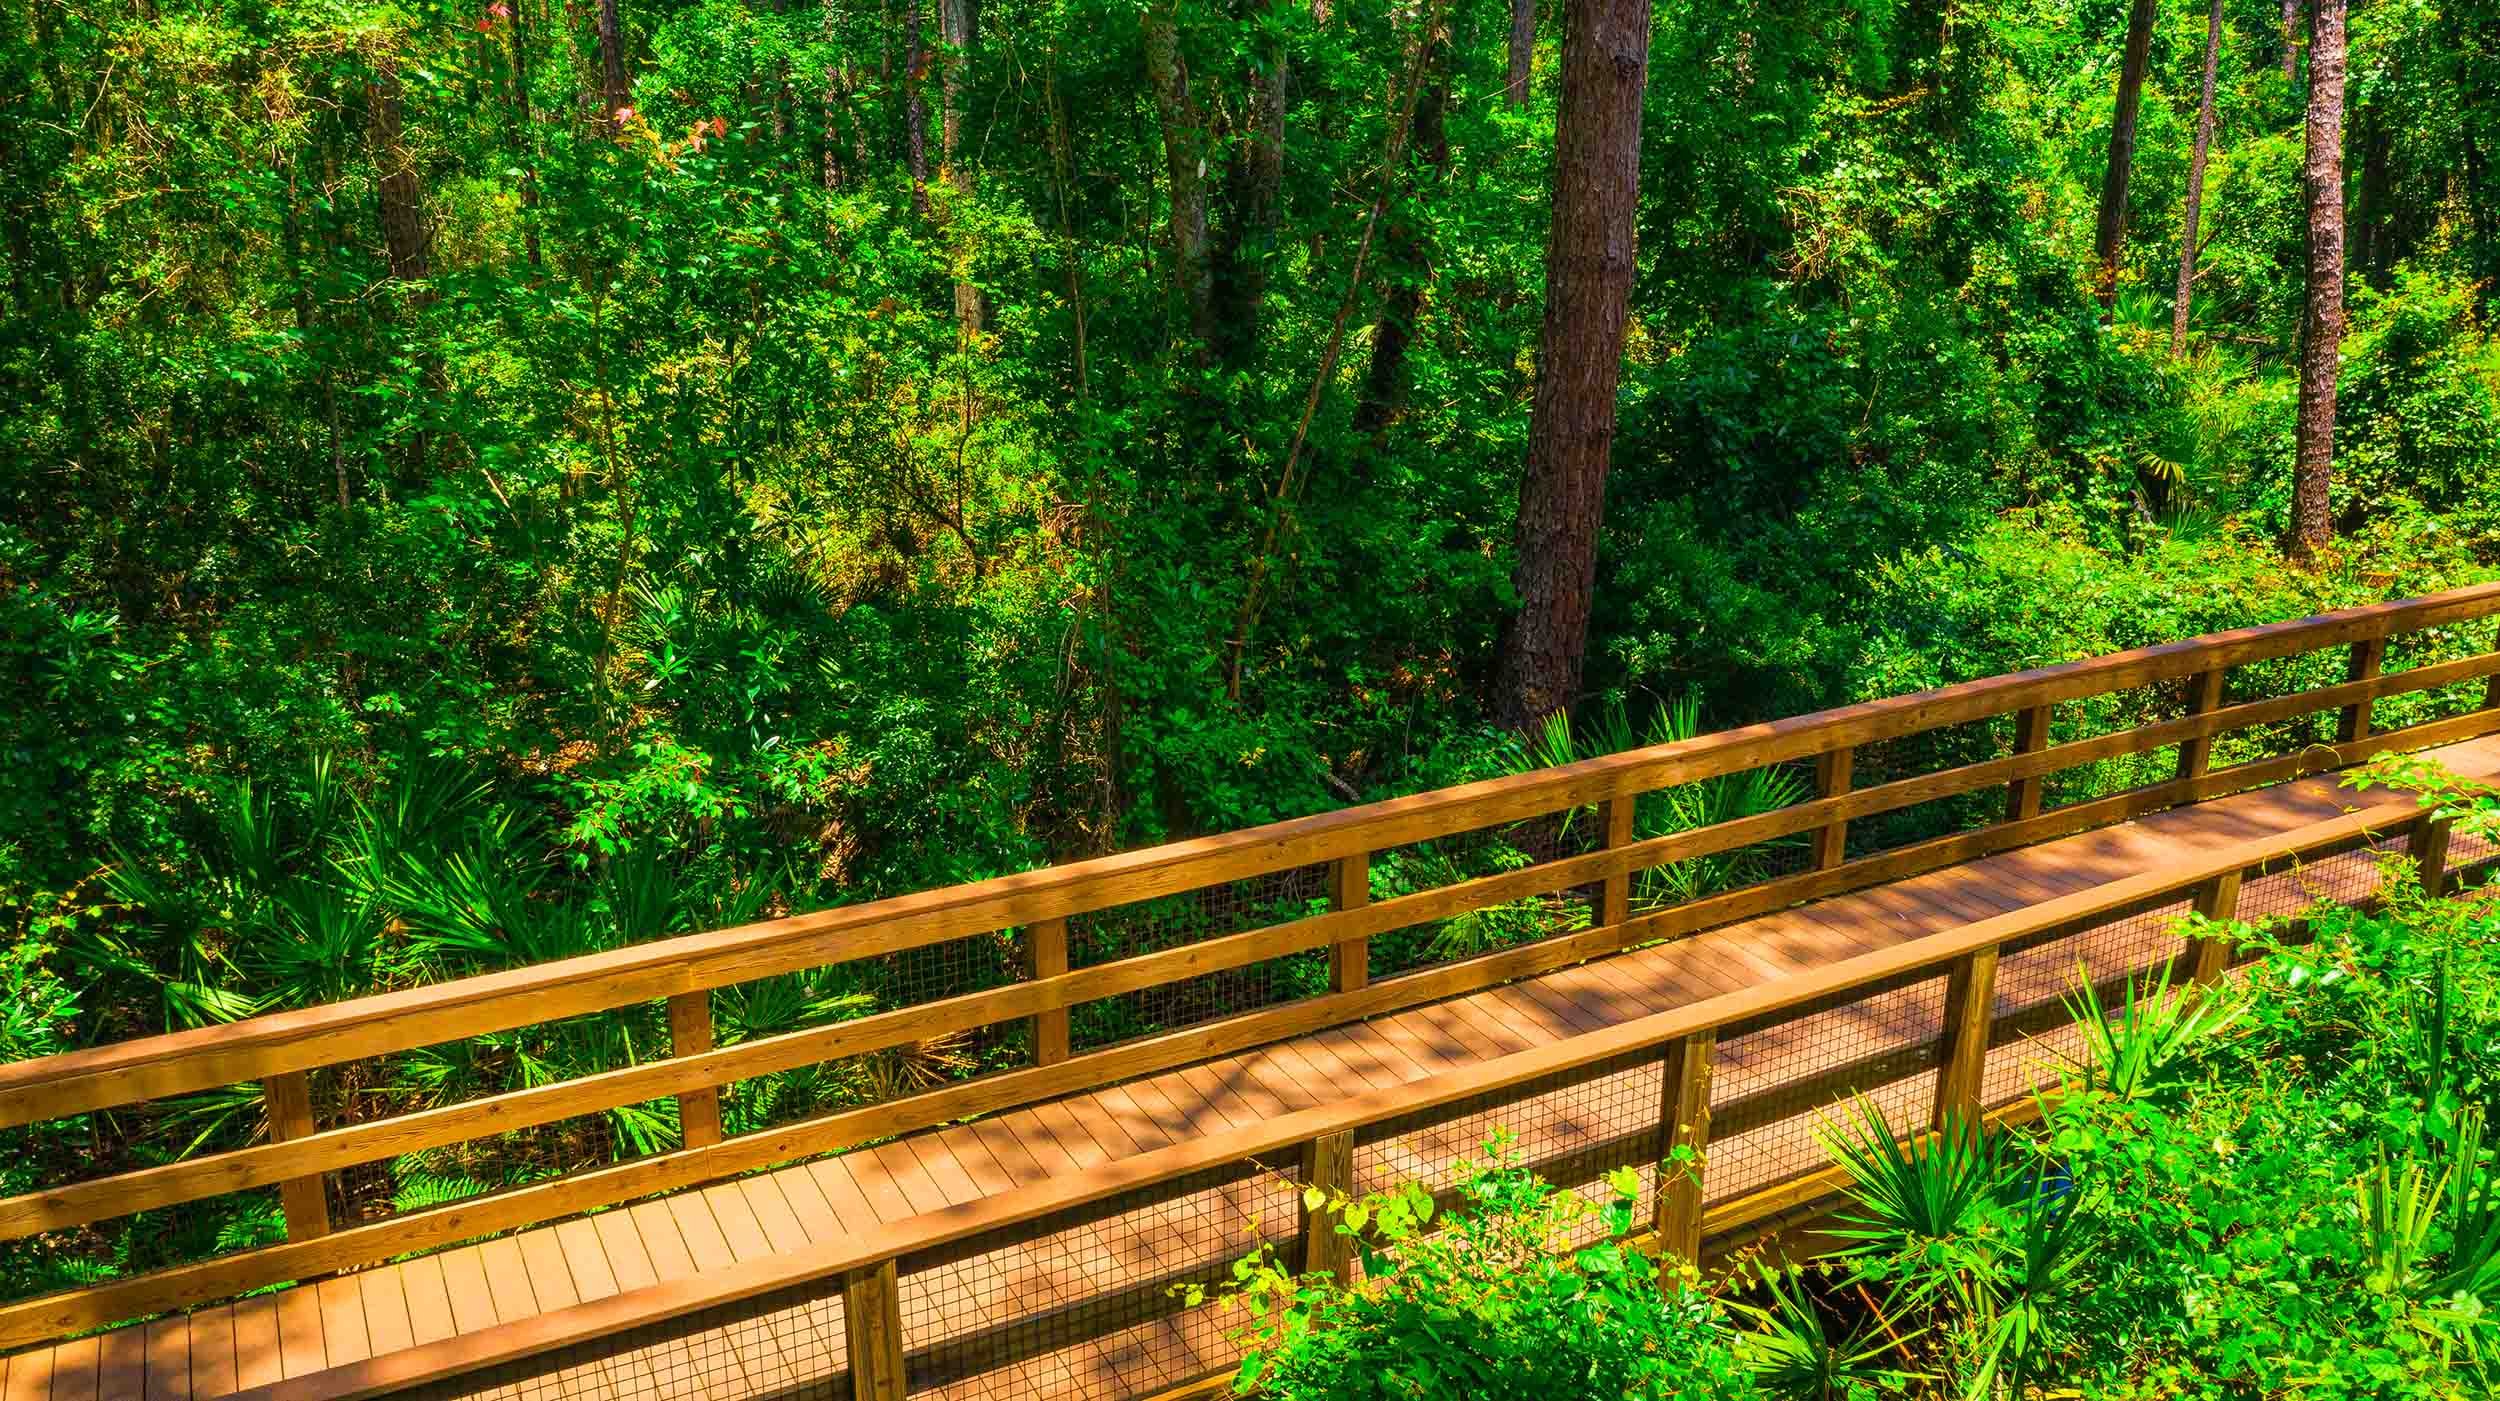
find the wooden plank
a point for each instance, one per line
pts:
(1350, 888)
(122, 1364)
(289, 1100)
(388, 1327)
(507, 1280)
(1833, 771)
(2368, 658)
(1046, 956)
(872, 1319)
(621, 1237)
(690, 1034)
(212, 1352)
(2031, 736)
(343, 1330)
(429, 1300)
(258, 1355)
(1684, 1122)
(30, 1376)
(1618, 830)
(74, 1370)
(182, 1062)
(302, 1350)
(1962, 1049)
(169, 1360)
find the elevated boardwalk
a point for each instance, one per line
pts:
(1033, 1251)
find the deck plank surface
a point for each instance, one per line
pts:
(218, 1350)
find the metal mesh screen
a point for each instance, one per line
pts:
(1446, 861)
(2345, 878)
(1190, 917)
(1774, 1081)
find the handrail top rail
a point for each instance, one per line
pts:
(383, 1023)
(948, 1225)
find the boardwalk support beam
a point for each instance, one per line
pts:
(2217, 900)
(2031, 735)
(690, 1034)
(2428, 842)
(2204, 694)
(1046, 956)
(1970, 996)
(872, 1323)
(2369, 657)
(1683, 1123)
(1350, 888)
(1328, 1165)
(1832, 773)
(1615, 901)
(289, 1100)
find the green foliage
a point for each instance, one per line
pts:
(1494, 1296)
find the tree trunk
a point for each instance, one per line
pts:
(1409, 253)
(2322, 327)
(2372, 235)
(1254, 185)
(615, 94)
(830, 168)
(523, 144)
(2111, 236)
(958, 26)
(915, 108)
(1185, 163)
(1522, 51)
(2291, 40)
(2196, 182)
(1571, 423)
(407, 240)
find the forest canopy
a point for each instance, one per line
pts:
(776, 454)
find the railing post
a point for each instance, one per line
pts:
(1350, 888)
(1832, 772)
(2204, 697)
(2369, 656)
(872, 1323)
(1970, 999)
(1614, 904)
(289, 1100)
(2031, 735)
(1683, 1122)
(1328, 1164)
(2218, 900)
(2428, 841)
(690, 1034)
(1046, 956)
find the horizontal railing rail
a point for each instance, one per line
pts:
(279, 1052)
(862, 1270)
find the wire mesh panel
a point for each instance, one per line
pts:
(1194, 916)
(2428, 647)
(2343, 878)
(1423, 866)
(1089, 1302)
(2113, 712)
(1775, 1081)
(787, 1345)
(1914, 756)
(1571, 1129)
(2038, 974)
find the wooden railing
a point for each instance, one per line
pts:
(278, 1052)
(870, 1273)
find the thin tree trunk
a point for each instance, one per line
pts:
(523, 152)
(830, 171)
(958, 26)
(2322, 327)
(1409, 254)
(1522, 51)
(1185, 163)
(915, 109)
(2291, 40)
(2110, 237)
(2372, 236)
(1571, 423)
(2196, 182)
(1061, 177)
(616, 96)
(407, 240)
(1254, 184)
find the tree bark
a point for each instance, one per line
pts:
(958, 26)
(915, 108)
(523, 142)
(615, 94)
(1409, 253)
(2196, 182)
(2291, 40)
(1522, 51)
(407, 238)
(2110, 238)
(1571, 423)
(1185, 164)
(2322, 325)
(1254, 184)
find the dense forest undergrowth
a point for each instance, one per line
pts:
(491, 481)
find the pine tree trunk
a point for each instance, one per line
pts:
(1522, 51)
(1408, 270)
(407, 240)
(958, 26)
(615, 94)
(2110, 238)
(829, 170)
(1254, 186)
(1588, 285)
(2196, 183)
(2291, 40)
(915, 108)
(2322, 326)
(523, 147)
(1185, 164)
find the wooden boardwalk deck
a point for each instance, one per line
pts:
(217, 1351)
